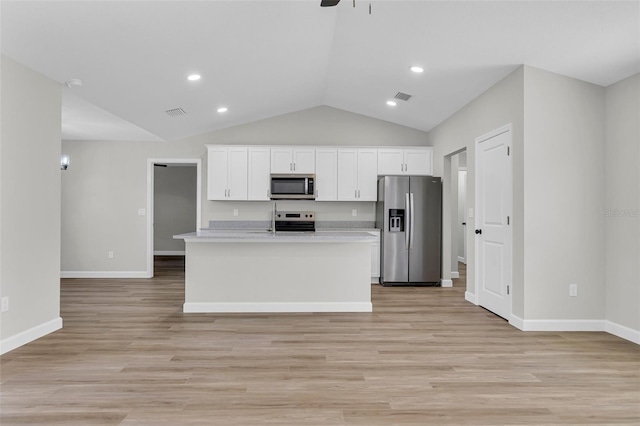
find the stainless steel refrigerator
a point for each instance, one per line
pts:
(409, 216)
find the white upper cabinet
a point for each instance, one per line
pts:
(405, 161)
(298, 160)
(357, 174)
(326, 174)
(226, 173)
(259, 174)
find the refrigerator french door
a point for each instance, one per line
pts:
(409, 215)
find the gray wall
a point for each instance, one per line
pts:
(499, 105)
(174, 210)
(29, 203)
(564, 195)
(565, 177)
(622, 202)
(107, 182)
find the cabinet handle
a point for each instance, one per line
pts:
(294, 167)
(355, 193)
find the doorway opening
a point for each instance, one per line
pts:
(173, 205)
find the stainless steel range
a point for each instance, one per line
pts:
(292, 221)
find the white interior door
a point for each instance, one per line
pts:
(493, 221)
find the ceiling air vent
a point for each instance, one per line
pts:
(176, 112)
(403, 96)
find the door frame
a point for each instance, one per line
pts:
(150, 187)
(508, 128)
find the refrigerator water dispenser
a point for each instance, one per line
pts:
(396, 220)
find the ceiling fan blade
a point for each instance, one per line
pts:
(328, 3)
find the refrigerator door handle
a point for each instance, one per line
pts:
(412, 223)
(407, 228)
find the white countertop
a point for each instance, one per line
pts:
(257, 236)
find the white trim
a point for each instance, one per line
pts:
(24, 337)
(150, 181)
(577, 325)
(622, 331)
(446, 283)
(278, 307)
(455, 274)
(517, 322)
(470, 297)
(169, 253)
(103, 274)
(462, 260)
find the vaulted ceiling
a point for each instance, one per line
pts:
(265, 58)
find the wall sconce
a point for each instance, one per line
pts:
(64, 162)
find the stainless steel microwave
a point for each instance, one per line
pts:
(293, 187)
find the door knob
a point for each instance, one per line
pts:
(478, 231)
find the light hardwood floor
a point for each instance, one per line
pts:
(128, 355)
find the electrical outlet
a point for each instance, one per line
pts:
(573, 290)
(4, 304)
(354, 212)
(110, 255)
(470, 215)
(235, 212)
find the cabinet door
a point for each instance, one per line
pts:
(326, 174)
(281, 160)
(390, 162)
(347, 174)
(237, 174)
(217, 173)
(367, 175)
(418, 161)
(304, 160)
(259, 173)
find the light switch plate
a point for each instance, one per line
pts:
(354, 212)
(235, 212)
(4, 304)
(142, 212)
(470, 213)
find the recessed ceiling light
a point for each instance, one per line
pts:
(194, 77)
(417, 69)
(391, 103)
(222, 109)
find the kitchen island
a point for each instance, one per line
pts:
(257, 271)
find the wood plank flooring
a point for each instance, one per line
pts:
(127, 355)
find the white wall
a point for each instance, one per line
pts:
(622, 202)
(106, 184)
(29, 204)
(564, 197)
(174, 206)
(499, 105)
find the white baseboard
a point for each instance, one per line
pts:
(470, 297)
(577, 325)
(103, 274)
(168, 253)
(20, 339)
(462, 260)
(446, 283)
(455, 274)
(622, 331)
(278, 307)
